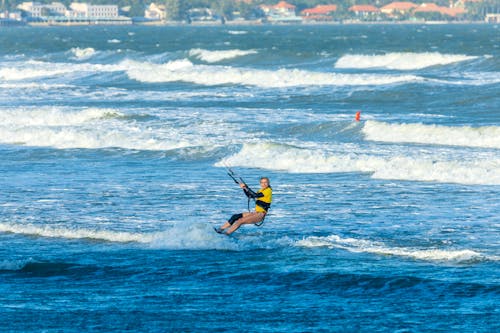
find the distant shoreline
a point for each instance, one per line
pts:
(251, 23)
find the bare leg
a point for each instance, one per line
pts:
(248, 218)
(225, 226)
(228, 223)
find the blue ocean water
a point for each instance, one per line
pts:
(113, 142)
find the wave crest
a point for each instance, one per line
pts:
(366, 246)
(486, 136)
(60, 232)
(216, 56)
(185, 71)
(89, 128)
(196, 236)
(13, 265)
(275, 156)
(53, 116)
(400, 60)
(39, 69)
(82, 53)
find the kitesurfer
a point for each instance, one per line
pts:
(262, 198)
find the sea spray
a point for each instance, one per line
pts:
(218, 55)
(185, 71)
(420, 167)
(400, 60)
(367, 246)
(466, 136)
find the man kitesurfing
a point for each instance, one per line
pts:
(262, 198)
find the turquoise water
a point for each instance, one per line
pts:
(113, 142)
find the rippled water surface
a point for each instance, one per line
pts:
(113, 142)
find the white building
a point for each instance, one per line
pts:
(281, 12)
(79, 9)
(15, 16)
(11, 15)
(492, 18)
(155, 12)
(36, 9)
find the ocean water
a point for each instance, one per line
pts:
(113, 142)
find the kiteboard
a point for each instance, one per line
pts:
(219, 231)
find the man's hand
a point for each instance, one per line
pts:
(242, 185)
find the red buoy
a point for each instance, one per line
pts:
(358, 116)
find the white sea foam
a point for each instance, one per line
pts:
(114, 41)
(13, 265)
(237, 32)
(486, 136)
(200, 236)
(9, 73)
(67, 127)
(366, 246)
(196, 236)
(88, 128)
(88, 137)
(482, 78)
(52, 116)
(432, 168)
(82, 53)
(400, 60)
(34, 85)
(472, 79)
(216, 56)
(38, 69)
(184, 70)
(75, 233)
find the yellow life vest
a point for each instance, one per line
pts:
(262, 204)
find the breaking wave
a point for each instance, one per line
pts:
(13, 265)
(185, 71)
(28, 73)
(472, 79)
(400, 60)
(89, 128)
(52, 116)
(82, 53)
(60, 232)
(432, 168)
(34, 85)
(486, 136)
(39, 69)
(65, 138)
(366, 246)
(216, 56)
(198, 236)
